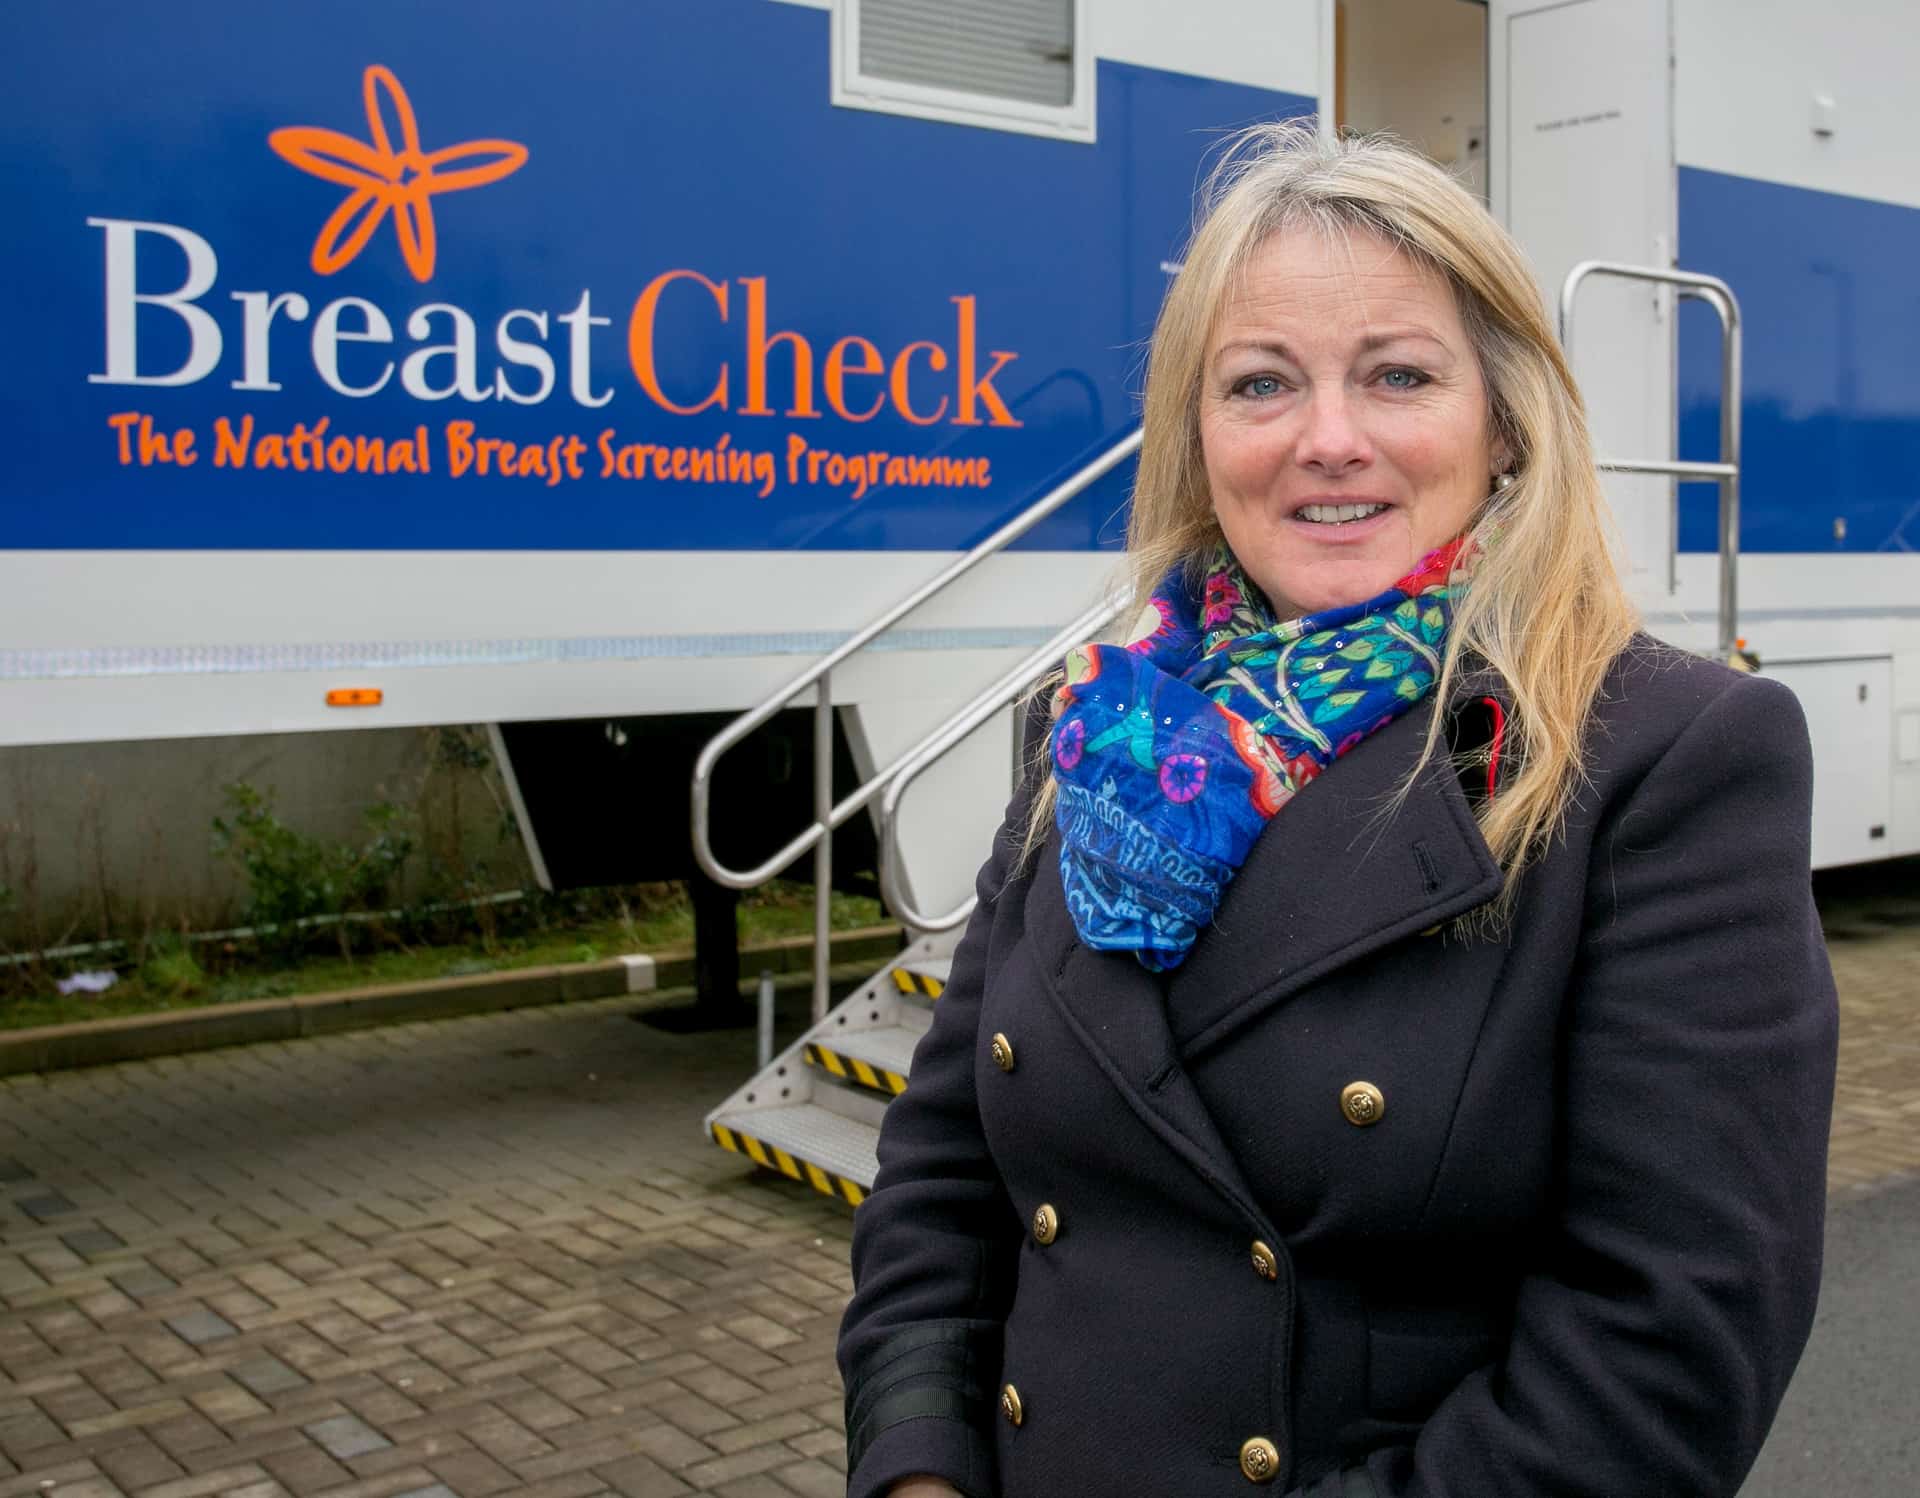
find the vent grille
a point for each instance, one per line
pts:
(1006, 49)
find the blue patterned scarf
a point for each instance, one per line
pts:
(1171, 754)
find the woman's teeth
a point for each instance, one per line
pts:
(1336, 514)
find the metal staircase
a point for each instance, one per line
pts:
(814, 1112)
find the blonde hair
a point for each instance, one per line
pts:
(1546, 609)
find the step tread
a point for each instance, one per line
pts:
(890, 1048)
(835, 1143)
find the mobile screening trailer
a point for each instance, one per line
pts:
(590, 373)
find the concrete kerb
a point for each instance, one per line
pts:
(140, 1036)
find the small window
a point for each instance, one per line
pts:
(1021, 65)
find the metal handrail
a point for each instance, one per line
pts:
(828, 814)
(1009, 688)
(1718, 295)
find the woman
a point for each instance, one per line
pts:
(1394, 1049)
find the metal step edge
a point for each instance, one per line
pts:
(922, 977)
(878, 1060)
(788, 1073)
(833, 1154)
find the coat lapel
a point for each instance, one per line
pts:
(1339, 873)
(1118, 1011)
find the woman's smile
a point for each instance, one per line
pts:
(1341, 519)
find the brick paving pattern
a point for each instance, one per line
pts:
(1872, 920)
(495, 1255)
(485, 1256)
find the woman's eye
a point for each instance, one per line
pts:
(1260, 387)
(1403, 379)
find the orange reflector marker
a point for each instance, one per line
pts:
(354, 697)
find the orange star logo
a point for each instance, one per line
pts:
(384, 180)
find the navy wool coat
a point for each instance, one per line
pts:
(1356, 1203)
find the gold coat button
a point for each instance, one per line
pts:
(1002, 1049)
(1264, 1263)
(1362, 1103)
(1011, 1408)
(1046, 1227)
(1259, 1460)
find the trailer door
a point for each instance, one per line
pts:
(1580, 116)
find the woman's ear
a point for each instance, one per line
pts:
(1499, 458)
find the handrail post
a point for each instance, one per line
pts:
(822, 850)
(1730, 397)
(1019, 727)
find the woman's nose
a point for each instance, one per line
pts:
(1331, 441)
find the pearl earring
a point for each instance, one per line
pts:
(1502, 481)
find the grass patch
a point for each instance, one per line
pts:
(548, 931)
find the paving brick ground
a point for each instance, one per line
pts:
(485, 1256)
(495, 1256)
(1872, 920)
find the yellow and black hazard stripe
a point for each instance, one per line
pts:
(921, 983)
(775, 1158)
(853, 1069)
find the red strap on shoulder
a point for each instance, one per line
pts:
(1499, 736)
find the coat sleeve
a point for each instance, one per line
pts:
(1674, 1292)
(934, 1250)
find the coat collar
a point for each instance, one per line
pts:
(1341, 872)
(1117, 1010)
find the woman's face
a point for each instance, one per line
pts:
(1343, 419)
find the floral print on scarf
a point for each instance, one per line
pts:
(1172, 754)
